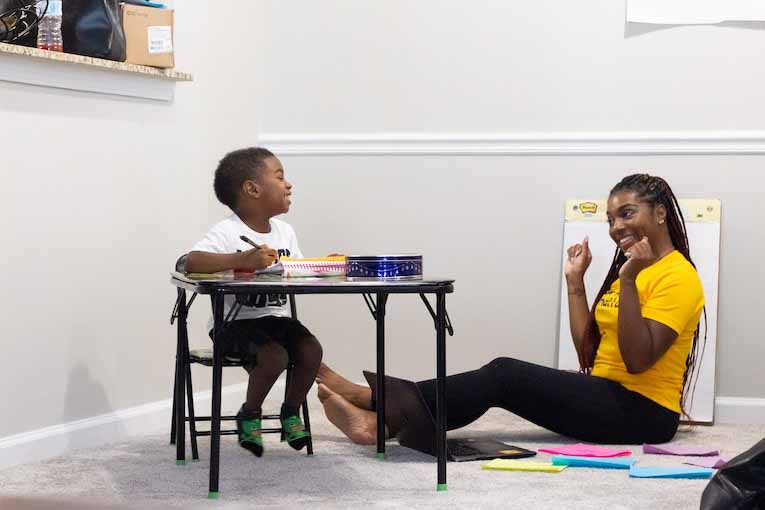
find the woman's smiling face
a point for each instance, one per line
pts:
(630, 219)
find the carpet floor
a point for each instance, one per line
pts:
(141, 473)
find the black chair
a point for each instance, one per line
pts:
(183, 360)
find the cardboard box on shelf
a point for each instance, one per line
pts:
(148, 35)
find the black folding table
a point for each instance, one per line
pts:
(375, 294)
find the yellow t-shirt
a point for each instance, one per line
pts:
(670, 292)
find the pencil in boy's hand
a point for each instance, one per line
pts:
(250, 242)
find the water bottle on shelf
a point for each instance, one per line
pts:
(49, 29)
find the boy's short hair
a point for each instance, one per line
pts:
(235, 168)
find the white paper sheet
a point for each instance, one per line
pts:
(684, 12)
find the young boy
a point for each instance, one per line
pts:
(251, 183)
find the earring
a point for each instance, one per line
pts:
(661, 222)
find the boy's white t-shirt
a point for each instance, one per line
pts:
(223, 237)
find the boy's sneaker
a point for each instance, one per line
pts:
(248, 427)
(294, 432)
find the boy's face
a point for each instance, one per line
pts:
(271, 188)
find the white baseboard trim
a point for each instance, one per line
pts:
(740, 410)
(518, 143)
(119, 425)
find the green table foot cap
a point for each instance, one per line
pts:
(213, 495)
(194, 460)
(381, 455)
(440, 487)
(180, 462)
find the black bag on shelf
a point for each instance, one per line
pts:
(94, 28)
(739, 484)
(11, 25)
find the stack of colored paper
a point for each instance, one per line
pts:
(711, 454)
(708, 462)
(670, 472)
(522, 465)
(594, 462)
(586, 450)
(684, 450)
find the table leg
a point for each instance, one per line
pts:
(216, 395)
(190, 399)
(382, 298)
(180, 385)
(173, 420)
(441, 389)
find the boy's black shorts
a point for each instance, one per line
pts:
(242, 338)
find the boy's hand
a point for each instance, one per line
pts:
(639, 256)
(259, 258)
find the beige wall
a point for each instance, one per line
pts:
(492, 66)
(99, 195)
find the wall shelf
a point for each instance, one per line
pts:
(21, 64)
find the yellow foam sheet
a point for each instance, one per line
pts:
(522, 465)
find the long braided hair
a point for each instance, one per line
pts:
(655, 191)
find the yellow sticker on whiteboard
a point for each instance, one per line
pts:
(585, 210)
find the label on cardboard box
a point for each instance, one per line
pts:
(148, 35)
(160, 39)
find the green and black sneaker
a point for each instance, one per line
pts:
(294, 431)
(248, 426)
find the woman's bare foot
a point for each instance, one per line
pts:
(324, 392)
(358, 424)
(356, 394)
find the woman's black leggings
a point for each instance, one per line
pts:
(584, 407)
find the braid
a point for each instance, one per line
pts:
(655, 191)
(592, 331)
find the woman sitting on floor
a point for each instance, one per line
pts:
(637, 346)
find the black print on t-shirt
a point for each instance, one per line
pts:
(273, 299)
(610, 299)
(264, 300)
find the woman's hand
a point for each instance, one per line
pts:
(578, 260)
(639, 256)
